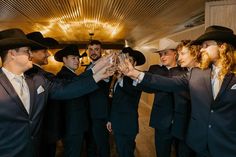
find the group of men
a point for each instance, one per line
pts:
(194, 97)
(210, 85)
(24, 94)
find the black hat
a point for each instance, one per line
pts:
(137, 55)
(71, 49)
(15, 38)
(218, 33)
(38, 37)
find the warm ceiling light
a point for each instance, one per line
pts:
(97, 26)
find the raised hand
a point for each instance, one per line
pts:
(103, 62)
(104, 72)
(128, 69)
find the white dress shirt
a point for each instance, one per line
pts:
(19, 84)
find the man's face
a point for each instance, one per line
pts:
(22, 58)
(211, 48)
(94, 52)
(71, 61)
(40, 57)
(168, 58)
(185, 58)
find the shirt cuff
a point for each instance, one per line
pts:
(140, 77)
(92, 70)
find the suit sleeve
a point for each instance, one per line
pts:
(78, 86)
(158, 82)
(154, 69)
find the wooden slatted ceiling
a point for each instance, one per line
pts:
(110, 20)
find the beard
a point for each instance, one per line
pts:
(205, 60)
(94, 57)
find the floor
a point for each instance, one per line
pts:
(144, 142)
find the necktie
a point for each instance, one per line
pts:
(216, 83)
(23, 91)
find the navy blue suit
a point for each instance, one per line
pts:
(124, 117)
(51, 125)
(20, 130)
(98, 135)
(75, 118)
(212, 128)
(170, 115)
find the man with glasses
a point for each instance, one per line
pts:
(22, 99)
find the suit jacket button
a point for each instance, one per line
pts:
(209, 126)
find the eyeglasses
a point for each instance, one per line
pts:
(25, 51)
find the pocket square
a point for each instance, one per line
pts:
(233, 87)
(40, 90)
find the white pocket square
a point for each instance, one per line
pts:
(233, 87)
(40, 90)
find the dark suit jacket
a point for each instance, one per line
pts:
(212, 122)
(169, 110)
(163, 105)
(51, 126)
(124, 110)
(99, 101)
(19, 131)
(74, 111)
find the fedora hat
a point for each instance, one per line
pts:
(38, 37)
(71, 49)
(15, 38)
(137, 55)
(217, 33)
(166, 44)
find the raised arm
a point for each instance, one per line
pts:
(154, 81)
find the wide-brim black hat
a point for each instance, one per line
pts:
(217, 33)
(38, 37)
(71, 49)
(137, 55)
(15, 38)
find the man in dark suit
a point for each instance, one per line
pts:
(124, 111)
(163, 106)
(51, 120)
(98, 136)
(22, 99)
(74, 111)
(169, 109)
(212, 91)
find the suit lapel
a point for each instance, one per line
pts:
(11, 91)
(225, 84)
(208, 82)
(32, 93)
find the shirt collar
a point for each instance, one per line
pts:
(215, 68)
(10, 75)
(38, 65)
(69, 69)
